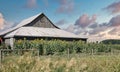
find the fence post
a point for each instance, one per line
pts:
(92, 51)
(68, 53)
(0, 57)
(38, 52)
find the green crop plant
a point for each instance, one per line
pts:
(60, 47)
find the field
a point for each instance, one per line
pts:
(75, 63)
(61, 56)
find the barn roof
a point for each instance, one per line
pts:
(23, 23)
(22, 30)
(42, 32)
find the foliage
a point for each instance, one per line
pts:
(61, 47)
(111, 41)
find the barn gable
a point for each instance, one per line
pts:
(42, 21)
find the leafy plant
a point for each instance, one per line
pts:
(60, 47)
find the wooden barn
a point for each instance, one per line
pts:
(38, 26)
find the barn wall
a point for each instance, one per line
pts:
(12, 42)
(9, 42)
(42, 21)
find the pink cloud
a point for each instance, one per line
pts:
(114, 7)
(31, 3)
(5, 24)
(114, 31)
(111, 28)
(1, 21)
(85, 20)
(115, 21)
(66, 6)
(70, 28)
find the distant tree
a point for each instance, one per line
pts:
(111, 41)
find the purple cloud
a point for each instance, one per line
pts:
(31, 4)
(85, 20)
(66, 6)
(87, 25)
(115, 21)
(114, 7)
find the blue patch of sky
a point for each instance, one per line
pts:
(15, 10)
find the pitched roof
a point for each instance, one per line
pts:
(41, 32)
(23, 23)
(28, 20)
(22, 30)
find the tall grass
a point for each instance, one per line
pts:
(28, 63)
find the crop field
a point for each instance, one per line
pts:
(76, 63)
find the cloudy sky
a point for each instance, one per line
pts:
(83, 17)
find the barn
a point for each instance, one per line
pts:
(37, 27)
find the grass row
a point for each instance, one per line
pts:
(92, 63)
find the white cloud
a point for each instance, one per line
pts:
(5, 24)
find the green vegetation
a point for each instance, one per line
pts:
(91, 63)
(53, 57)
(111, 41)
(61, 47)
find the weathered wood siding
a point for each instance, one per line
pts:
(42, 21)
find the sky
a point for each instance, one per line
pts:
(99, 18)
